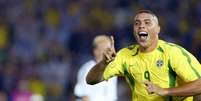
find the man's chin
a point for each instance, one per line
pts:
(143, 44)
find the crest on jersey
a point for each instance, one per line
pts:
(159, 63)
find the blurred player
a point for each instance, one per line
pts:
(150, 65)
(104, 91)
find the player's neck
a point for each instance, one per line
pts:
(150, 48)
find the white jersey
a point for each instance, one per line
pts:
(103, 91)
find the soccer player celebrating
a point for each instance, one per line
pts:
(154, 69)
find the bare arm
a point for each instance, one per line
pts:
(95, 75)
(188, 89)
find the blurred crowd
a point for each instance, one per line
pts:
(44, 42)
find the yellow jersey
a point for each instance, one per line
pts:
(169, 65)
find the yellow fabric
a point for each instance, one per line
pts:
(167, 64)
(52, 17)
(37, 87)
(3, 36)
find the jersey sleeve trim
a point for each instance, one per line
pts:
(189, 61)
(172, 75)
(128, 76)
(188, 58)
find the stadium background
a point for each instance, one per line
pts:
(44, 42)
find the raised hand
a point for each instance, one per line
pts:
(110, 53)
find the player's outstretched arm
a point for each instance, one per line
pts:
(188, 89)
(95, 75)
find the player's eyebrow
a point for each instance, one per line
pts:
(147, 19)
(137, 20)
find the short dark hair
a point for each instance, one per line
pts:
(149, 12)
(146, 11)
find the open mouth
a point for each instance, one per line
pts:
(143, 35)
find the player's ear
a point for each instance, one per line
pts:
(158, 29)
